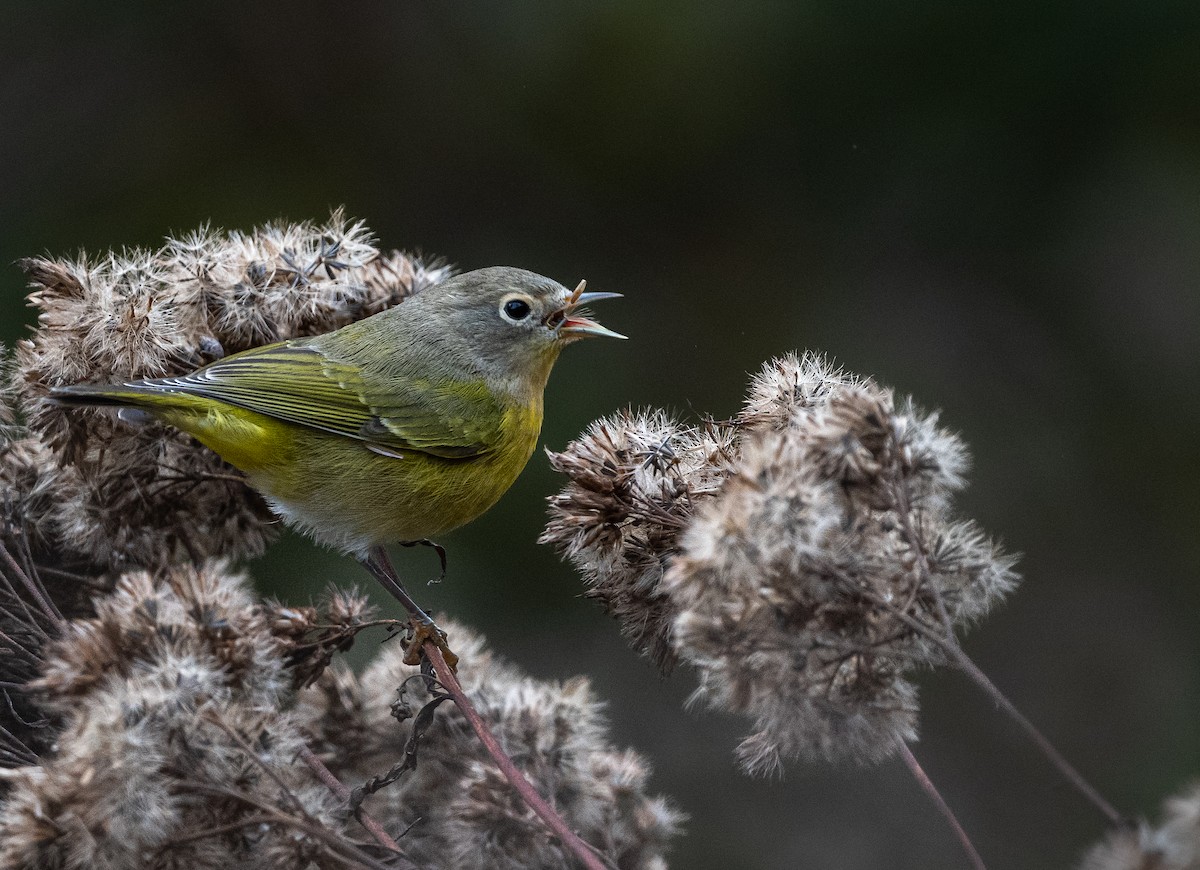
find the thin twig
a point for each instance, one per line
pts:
(335, 785)
(26, 617)
(959, 658)
(217, 830)
(73, 576)
(972, 670)
(930, 789)
(15, 748)
(585, 853)
(338, 845)
(17, 648)
(950, 644)
(390, 844)
(34, 589)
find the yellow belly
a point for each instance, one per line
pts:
(348, 497)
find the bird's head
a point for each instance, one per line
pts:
(516, 322)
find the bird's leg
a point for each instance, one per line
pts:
(423, 627)
(438, 548)
(378, 563)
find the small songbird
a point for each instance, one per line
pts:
(394, 429)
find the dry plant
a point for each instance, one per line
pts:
(457, 797)
(1172, 845)
(803, 559)
(156, 713)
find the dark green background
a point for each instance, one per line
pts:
(995, 207)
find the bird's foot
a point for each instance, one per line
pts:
(422, 625)
(424, 629)
(437, 548)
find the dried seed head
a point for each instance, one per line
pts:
(8, 393)
(172, 708)
(31, 483)
(149, 496)
(812, 568)
(639, 829)
(635, 478)
(931, 460)
(465, 813)
(851, 428)
(286, 280)
(106, 779)
(204, 612)
(814, 583)
(309, 637)
(772, 617)
(1173, 845)
(789, 386)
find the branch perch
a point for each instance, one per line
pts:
(374, 828)
(586, 853)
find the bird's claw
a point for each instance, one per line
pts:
(438, 548)
(423, 630)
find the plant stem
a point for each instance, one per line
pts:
(950, 644)
(516, 778)
(930, 789)
(335, 785)
(35, 590)
(972, 670)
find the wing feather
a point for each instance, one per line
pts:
(298, 383)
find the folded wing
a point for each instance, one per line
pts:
(296, 382)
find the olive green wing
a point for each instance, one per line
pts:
(295, 382)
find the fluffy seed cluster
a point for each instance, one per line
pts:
(311, 636)
(145, 496)
(174, 749)
(27, 495)
(815, 567)
(635, 479)
(176, 737)
(1173, 845)
(460, 811)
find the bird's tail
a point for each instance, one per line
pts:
(223, 428)
(138, 401)
(113, 395)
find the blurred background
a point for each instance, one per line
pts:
(993, 206)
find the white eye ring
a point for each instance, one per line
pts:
(516, 308)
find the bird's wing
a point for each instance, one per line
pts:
(296, 382)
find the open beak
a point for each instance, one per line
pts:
(574, 325)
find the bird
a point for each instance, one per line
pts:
(393, 429)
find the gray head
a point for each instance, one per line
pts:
(515, 321)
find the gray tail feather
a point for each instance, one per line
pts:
(112, 395)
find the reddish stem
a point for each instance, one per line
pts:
(335, 785)
(34, 589)
(516, 778)
(951, 645)
(1048, 749)
(930, 789)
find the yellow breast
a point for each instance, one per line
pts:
(347, 496)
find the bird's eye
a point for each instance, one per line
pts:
(516, 309)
